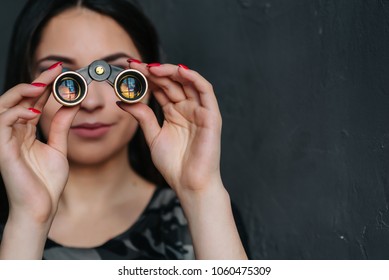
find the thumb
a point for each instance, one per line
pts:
(145, 117)
(59, 129)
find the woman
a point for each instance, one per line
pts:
(76, 193)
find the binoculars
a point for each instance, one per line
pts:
(70, 87)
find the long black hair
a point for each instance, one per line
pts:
(25, 39)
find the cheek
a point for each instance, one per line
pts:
(48, 113)
(128, 126)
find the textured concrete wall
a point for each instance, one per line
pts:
(304, 91)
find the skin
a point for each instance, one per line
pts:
(80, 220)
(97, 194)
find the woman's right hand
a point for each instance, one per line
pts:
(34, 173)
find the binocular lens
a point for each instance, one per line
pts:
(130, 86)
(69, 88)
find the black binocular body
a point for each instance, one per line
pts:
(70, 87)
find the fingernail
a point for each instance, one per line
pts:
(55, 65)
(34, 110)
(134, 60)
(183, 66)
(153, 64)
(39, 84)
(120, 103)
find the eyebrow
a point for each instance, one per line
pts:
(115, 56)
(56, 58)
(68, 60)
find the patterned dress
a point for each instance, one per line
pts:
(161, 232)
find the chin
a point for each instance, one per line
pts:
(93, 157)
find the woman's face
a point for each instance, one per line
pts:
(78, 37)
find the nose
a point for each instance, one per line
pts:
(95, 98)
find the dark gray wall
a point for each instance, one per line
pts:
(303, 87)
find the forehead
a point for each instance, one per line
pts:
(84, 35)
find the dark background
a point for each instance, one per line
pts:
(303, 87)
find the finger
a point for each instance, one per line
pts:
(170, 71)
(59, 129)
(20, 92)
(42, 100)
(11, 117)
(40, 103)
(161, 97)
(173, 90)
(205, 89)
(47, 78)
(191, 93)
(30, 93)
(146, 118)
(195, 85)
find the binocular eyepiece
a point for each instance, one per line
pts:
(70, 88)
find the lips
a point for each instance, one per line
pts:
(90, 130)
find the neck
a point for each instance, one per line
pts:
(98, 184)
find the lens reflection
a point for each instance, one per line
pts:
(130, 87)
(69, 89)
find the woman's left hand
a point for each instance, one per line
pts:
(186, 149)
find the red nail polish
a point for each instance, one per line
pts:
(183, 66)
(39, 84)
(119, 103)
(153, 64)
(55, 65)
(134, 60)
(34, 110)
